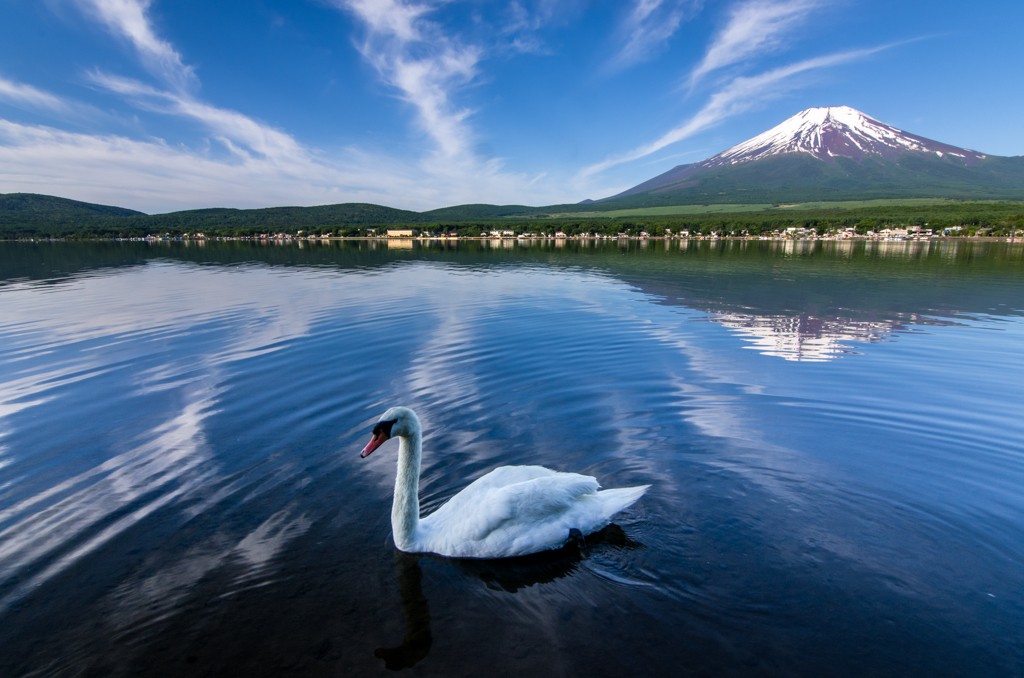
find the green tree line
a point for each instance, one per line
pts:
(1000, 218)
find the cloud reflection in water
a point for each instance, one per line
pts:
(91, 328)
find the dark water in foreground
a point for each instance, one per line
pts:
(833, 436)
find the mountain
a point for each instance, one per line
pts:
(833, 153)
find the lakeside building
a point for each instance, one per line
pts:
(399, 232)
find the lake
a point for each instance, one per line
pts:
(832, 433)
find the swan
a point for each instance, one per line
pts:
(511, 511)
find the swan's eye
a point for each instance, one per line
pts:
(383, 427)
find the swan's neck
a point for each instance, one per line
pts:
(405, 512)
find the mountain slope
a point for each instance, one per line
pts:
(834, 153)
(22, 207)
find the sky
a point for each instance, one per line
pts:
(161, 106)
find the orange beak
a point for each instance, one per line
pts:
(376, 441)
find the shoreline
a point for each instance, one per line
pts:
(529, 239)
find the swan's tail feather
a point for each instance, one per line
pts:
(620, 498)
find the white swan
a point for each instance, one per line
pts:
(511, 511)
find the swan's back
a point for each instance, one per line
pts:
(518, 510)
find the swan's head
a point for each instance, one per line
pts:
(395, 423)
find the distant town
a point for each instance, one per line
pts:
(409, 235)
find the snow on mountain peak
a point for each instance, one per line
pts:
(832, 131)
(825, 133)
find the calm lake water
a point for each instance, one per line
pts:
(832, 433)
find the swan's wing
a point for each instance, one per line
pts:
(474, 493)
(543, 498)
(508, 475)
(534, 496)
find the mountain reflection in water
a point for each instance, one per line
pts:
(805, 337)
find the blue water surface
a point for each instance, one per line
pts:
(832, 433)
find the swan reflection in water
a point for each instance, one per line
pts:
(416, 643)
(499, 574)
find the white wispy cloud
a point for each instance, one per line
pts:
(129, 19)
(428, 66)
(754, 28)
(647, 26)
(740, 95)
(521, 24)
(21, 94)
(413, 55)
(519, 17)
(154, 176)
(403, 20)
(237, 131)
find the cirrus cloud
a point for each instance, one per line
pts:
(740, 95)
(647, 26)
(754, 28)
(130, 19)
(414, 56)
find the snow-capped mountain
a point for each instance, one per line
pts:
(836, 131)
(825, 133)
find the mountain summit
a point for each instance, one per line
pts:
(837, 131)
(842, 142)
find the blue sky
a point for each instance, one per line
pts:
(161, 106)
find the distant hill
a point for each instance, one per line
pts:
(832, 154)
(22, 214)
(479, 212)
(21, 207)
(277, 218)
